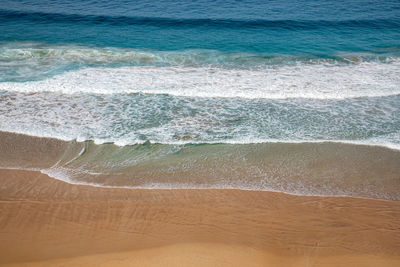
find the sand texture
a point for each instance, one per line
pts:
(44, 222)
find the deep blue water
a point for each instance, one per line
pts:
(287, 27)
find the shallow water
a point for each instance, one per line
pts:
(328, 169)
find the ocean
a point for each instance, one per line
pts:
(152, 88)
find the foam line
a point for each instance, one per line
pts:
(319, 81)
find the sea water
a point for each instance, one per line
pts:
(179, 73)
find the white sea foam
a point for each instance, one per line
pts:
(213, 104)
(315, 81)
(125, 119)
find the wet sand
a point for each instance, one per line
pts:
(327, 169)
(44, 222)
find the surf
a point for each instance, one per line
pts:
(311, 81)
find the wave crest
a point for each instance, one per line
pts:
(315, 81)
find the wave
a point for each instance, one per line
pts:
(27, 61)
(197, 96)
(126, 119)
(186, 22)
(382, 142)
(312, 81)
(28, 54)
(36, 52)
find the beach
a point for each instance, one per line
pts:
(48, 222)
(200, 133)
(45, 221)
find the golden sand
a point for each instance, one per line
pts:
(45, 222)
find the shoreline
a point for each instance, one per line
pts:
(46, 221)
(197, 189)
(325, 169)
(393, 147)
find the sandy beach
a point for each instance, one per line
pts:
(44, 222)
(200, 133)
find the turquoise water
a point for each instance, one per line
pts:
(322, 28)
(202, 72)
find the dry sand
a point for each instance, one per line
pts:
(45, 222)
